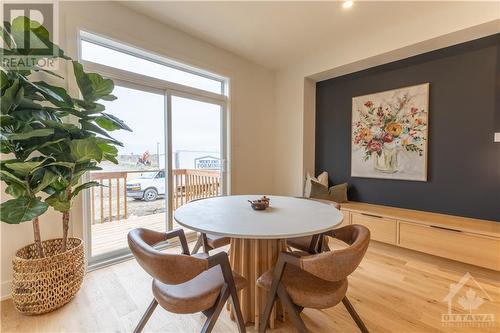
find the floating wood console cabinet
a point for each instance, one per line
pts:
(468, 240)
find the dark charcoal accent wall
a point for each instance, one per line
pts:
(463, 160)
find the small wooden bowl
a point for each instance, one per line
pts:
(259, 204)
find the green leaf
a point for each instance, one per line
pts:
(84, 186)
(90, 107)
(82, 80)
(11, 97)
(9, 178)
(6, 120)
(85, 150)
(58, 204)
(7, 38)
(101, 87)
(109, 97)
(69, 165)
(22, 209)
(48, 178)
(92, 85)
(26, 103)
(56, 95)
(111, 158)
(31, 134)
(15, 190)
(4, 80)
(91, 127)
(23, 168)
(107, 148)
(111, 123)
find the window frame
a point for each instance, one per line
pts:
(85, 35)
(168, 89)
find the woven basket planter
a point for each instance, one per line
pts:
(42, 285)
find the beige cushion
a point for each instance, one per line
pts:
(322, 179)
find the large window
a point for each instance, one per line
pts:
(175, 154)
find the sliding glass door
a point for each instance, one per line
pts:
(197, 138)
(133, 192)
(176, 152)
(147, 181)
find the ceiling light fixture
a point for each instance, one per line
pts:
(347, 4)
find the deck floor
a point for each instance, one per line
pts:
(111, 236)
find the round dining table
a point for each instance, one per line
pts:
(257, 237)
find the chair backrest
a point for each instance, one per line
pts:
(165, 267)
(337, 265)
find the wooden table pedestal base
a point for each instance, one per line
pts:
(251, 258)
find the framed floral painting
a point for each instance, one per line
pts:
(389, 134)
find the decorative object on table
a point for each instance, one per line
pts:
(259, 204)
(322, 179)
(48, 274)
(266, 200)
(389, 134)
(336, 193)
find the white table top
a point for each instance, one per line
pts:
(232, 216)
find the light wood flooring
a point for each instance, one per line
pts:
(393, 290)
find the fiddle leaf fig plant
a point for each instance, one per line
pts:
(48, 155)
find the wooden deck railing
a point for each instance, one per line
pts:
(109, 202)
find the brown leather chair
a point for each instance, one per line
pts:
(183, 283)
(316, 281)
(311, 244)
(210, 242)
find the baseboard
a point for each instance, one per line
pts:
(5, 290)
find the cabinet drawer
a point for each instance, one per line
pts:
(461, 246)
(381, 229)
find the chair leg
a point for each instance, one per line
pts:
(197, 246)
(264, 320)
(213, 313)
(238, 314)
(292, 310)
(204, 242)
(354, 315)
(146, 316)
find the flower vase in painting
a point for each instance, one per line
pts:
(389, 134)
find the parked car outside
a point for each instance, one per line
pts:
(149, 186)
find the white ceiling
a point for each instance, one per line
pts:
(278, 34)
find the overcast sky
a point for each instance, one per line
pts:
(195, 125)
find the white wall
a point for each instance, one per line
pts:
(251, 105)
(295, 115)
